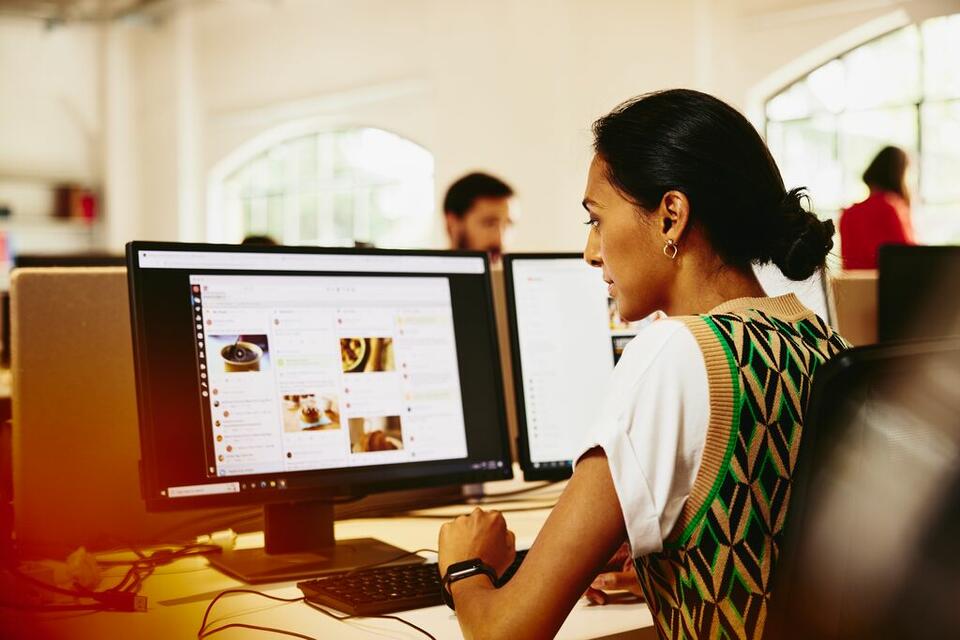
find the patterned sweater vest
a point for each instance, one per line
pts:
(712, 579)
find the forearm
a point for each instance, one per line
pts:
(476, 601)
(484, 611)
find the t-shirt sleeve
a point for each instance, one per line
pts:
(652, 426)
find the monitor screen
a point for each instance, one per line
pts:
(566, 338)
(279, 374)
(916, 292)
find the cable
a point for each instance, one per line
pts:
(51, 608)
(204, 632)
(206, 614)
(241, 625)
(123, 595)
(384, 617)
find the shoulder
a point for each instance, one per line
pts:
(656, 343)
(661, 350)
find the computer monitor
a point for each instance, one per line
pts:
(566, 337)
(916, 292)
(290, 376)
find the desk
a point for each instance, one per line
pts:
(178, 594)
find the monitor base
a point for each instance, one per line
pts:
(256, 566)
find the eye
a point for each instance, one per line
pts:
(592, 223)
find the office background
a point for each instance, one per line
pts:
(326, 122)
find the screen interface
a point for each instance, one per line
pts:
(570, 337)
(262, 365)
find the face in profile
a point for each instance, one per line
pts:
(625, 244)
(482, 227)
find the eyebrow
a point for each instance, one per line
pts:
(587, 202)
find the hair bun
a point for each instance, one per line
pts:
(801, 241)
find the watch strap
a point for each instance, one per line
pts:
(461, 571)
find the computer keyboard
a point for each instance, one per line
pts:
(381, 590)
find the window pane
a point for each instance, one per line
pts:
(793, 103)
(940, 163)
(941, 57)
(309, 229)
(885, 71)
(937, 224)
(863, 134)
(821, 91)
(805, 151)
(335, 188)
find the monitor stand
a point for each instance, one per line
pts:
(299, 543)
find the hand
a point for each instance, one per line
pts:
(620, 575)
(482, 534)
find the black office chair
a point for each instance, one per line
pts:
(871, 547)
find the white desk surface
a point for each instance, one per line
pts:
(179, 593)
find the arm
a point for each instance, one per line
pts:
(579, 537)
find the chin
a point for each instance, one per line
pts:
(632, 313)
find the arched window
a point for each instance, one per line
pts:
(901, 89)
(329, 188)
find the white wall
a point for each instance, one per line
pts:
(509, 86)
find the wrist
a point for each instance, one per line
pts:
(464, 571)
(462, 588)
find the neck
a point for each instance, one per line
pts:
(702, 285)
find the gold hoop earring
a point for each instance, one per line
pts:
(671, 249)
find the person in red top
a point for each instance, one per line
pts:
(883, 218)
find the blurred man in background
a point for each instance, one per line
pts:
(477, 209)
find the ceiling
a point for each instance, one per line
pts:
(67, 11)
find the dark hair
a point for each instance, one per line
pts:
(259, 240)
(691, 142)
(887, 171)
(463, 193)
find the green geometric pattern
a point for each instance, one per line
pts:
(713, 579)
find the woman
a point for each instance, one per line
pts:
(883, 218)
(690, 457)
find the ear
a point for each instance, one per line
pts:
(673, 215)
(454, 228)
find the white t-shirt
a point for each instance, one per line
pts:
(652, 425)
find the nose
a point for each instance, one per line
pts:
(591, 252)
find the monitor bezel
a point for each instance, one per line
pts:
(531, 472)
(149, 484)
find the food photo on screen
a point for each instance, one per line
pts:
(379, 433)
(309, 412)
(240, 353)
(367, 355)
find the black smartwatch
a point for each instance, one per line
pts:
(461, 571)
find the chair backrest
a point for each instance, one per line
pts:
(75, 433)
(875, 502)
